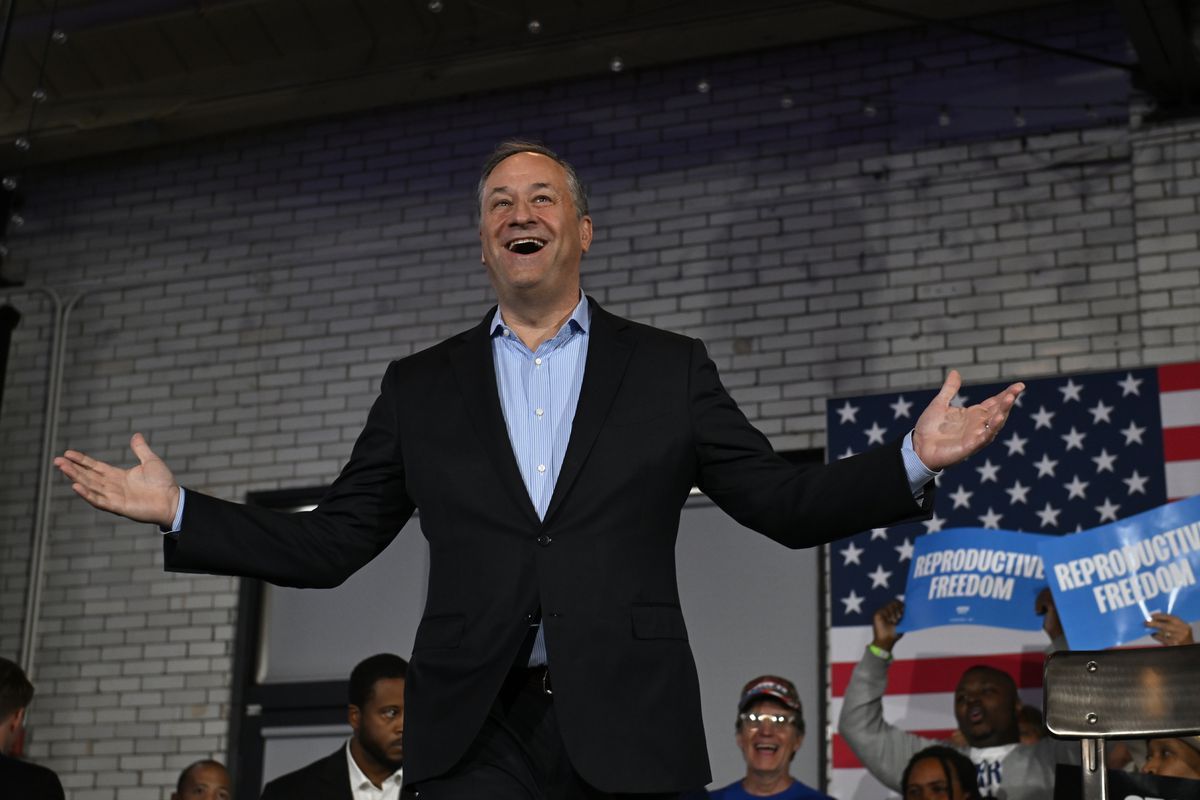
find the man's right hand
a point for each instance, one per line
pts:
(145, 493)
(884, 623)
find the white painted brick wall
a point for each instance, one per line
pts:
(246, 294)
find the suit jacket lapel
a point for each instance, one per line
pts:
(475, 370)
(608, 353)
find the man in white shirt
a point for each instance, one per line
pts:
(371, 764)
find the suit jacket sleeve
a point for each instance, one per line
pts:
(796, 506)
(357, 518)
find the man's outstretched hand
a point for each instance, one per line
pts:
(946, 435)
(145, 493)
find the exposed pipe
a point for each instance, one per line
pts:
(61, 313)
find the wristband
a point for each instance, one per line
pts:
(879, 652)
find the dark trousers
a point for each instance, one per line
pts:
(519, 754)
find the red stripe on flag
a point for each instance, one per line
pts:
(844, 758)
(1179, 377)
(910, 676)
(1181, 444)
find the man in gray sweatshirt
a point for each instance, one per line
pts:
(985, 705)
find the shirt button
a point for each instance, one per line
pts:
(538, 361)
(541, 467)
(544, 540)
(539, 412)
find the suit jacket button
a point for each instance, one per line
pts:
(544, 540)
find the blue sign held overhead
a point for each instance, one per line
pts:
(1107, 581)
(974, 576)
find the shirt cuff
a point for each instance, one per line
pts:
(918, 473)
(177, 523)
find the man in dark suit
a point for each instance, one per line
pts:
(371, 763)
(20, 779)
(550, 450)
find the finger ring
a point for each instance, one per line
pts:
(987, 426)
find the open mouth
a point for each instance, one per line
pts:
(766, 748)
(525, 247)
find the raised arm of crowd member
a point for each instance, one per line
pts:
(986, 707)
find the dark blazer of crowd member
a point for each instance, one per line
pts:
(770, 730)
(370, 766)
(20, 779)
(204, 780)
(550, 449)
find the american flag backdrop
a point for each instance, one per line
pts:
(1078, 451)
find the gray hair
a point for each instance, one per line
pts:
(511, 147)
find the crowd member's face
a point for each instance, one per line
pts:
(531, 235)
(205, 782)
(379, 725)
(1173, 759)
(928, 780)
(985, 707)
(768, 747)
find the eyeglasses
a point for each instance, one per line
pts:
(755, 721)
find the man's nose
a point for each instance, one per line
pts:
(522, 211)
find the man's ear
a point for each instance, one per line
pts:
(354, 717)
(585, 232)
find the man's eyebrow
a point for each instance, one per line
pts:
(504, 189)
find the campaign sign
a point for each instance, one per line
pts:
(1068, 785)
(1108, 580)
(974, 576)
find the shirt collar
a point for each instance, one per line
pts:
(359, 779)
(579, 321)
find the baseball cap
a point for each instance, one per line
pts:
(781, 690)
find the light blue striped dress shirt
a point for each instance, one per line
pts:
(539, 390)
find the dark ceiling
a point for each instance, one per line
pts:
(125, 74)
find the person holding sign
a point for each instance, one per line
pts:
(986, 706)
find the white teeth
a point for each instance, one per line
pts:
(525, 246)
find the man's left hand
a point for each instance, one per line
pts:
(946, 435)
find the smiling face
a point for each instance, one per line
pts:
(1172, 758)
(531, 235)
(986, 706)
(769, 747)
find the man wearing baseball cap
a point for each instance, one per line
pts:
(770, 729)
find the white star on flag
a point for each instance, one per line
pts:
(1129, 385)
(848, 413)
(1046, 466)
(1043, 419)
(1108, 511)
(961, 497)
(1136, 483)
(987, 471)
(905, 549)
(853, 603)
(1070, 391)
(901, 407)
(1017, 492)
(1076, 488)
(879, 578)
(1074, 439)
(1015, 444)
(1104, 461)
(875, 434)
(851, 553)
(1100, 413)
